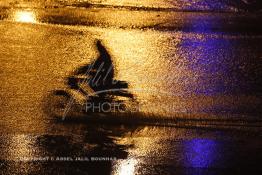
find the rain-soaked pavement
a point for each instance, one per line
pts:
(196, 77)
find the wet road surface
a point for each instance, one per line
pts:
(206, 79)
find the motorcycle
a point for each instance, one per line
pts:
(80, 99)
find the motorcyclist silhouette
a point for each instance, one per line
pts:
(100, 72)
(92, 85)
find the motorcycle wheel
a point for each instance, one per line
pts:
(60, 105)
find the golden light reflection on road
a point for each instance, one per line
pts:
(21, 147)
(127, 167)
(25, 17)
(144, 146)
